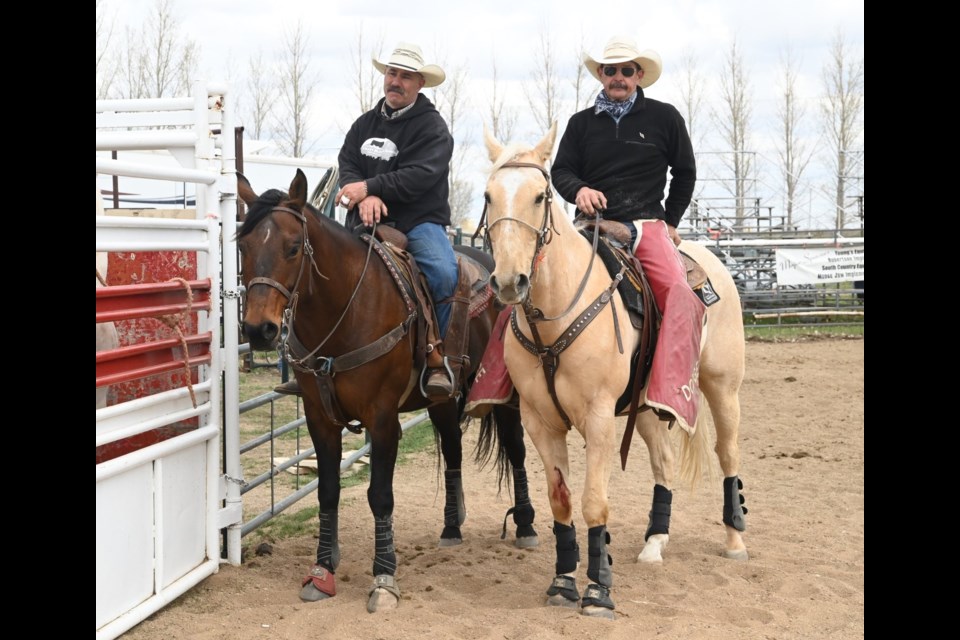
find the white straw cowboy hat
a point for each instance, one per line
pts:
(409, 57)
(624, 49)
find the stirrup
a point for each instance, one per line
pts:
(437, 383)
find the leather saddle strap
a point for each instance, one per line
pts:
(644, 356)
(550, 356)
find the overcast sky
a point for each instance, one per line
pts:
(229, 32)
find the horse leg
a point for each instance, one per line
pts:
(384, 438)
(320, 583)
(599, 432)
(723, 397)
(510, 436)
(551, 444)
(657, 438)
(446, 420)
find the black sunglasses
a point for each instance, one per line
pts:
(612, 71)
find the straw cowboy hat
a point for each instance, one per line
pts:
(624, 49)
(409, 57)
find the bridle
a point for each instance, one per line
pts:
(544, 236)
(549, 356)
(292, 296)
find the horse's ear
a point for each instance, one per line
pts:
(494, 148)
(298, 190)
(245, 191)
(544, 148)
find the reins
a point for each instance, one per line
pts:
(549, 356)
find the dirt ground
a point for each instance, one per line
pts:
(802, 450)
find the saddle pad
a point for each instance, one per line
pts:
(631, 295)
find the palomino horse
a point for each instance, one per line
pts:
(544, 265)
(349, 327)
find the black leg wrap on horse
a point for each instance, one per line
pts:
(522, 509)
(568, 552)
(598, 560)
(734, 513)
(660, 512)
(385, 557)
(328, 549)
(454, 509)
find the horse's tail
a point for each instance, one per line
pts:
(695, 456)
(492, 442)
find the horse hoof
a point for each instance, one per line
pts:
(527, 542)
(450, 542)
(599, 612)
(384, 595)
(559, 601)
(310, 593)
(382, 600)
(740, 555)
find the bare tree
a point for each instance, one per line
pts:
(793, 153)
(260, 89)
(542, 92)
(583, 94)
(451, 101)
(503, 119)
(159, 61)
(692, 85)
(367, 82)
(734, 124)
(297, 84)
(842, 114)
(106, 59)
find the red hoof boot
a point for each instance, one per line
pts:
(438, 384)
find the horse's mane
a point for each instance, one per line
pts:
(264, 205)
(510, 153)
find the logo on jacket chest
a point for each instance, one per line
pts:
(379, 148)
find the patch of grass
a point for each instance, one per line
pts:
(287, 525)
(786, 333)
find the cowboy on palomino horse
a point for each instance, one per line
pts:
(394, 169)
(613, 159)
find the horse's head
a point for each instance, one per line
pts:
(518, 212)
(273, 246)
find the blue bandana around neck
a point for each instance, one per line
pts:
(615, 109)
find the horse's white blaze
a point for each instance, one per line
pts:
(266, 236)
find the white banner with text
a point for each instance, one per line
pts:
(815, 265)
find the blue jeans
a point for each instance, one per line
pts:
(430, 246)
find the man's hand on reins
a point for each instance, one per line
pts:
(590, 201)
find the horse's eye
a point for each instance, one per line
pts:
(293, 251)
(486, 197)
(540, 198)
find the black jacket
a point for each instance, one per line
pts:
(405, 161)
(628, 161)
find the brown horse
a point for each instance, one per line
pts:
(571, 303)
(350, 333)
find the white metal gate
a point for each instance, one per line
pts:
(160, 508)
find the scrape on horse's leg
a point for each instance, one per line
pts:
(658, 529)
(563, 590)
(320, 583)
(734, 516)
(454, 510)
(596, 599)
(385, 594)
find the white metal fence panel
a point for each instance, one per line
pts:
(159, 508)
